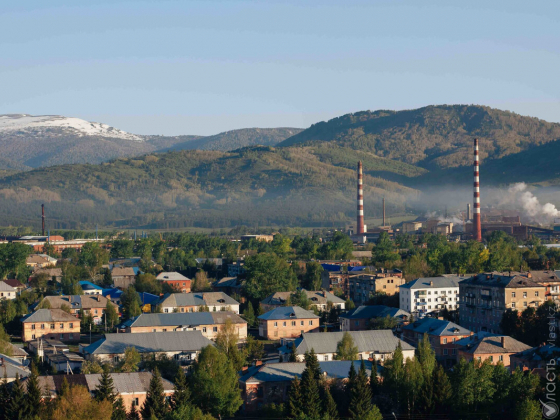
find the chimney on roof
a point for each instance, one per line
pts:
(431, 283)
(529, 275)
(258, 363)
(43, 219)
(503, 340)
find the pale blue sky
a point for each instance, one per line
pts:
(202, 67)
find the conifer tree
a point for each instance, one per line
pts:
(5, 397)
(105, 390)
(443, 391)
(249, 314)
(133, 414)
(393, 376)
(119, 411)
(426, 356)
(310, 388)
(64, 388)
(155, 404)
(360, 399)
(373, 379)
(34, 394)
(312, 364)
(182, 393)
(330, 411)
(296, 404)
(293, 354)
(16, 406)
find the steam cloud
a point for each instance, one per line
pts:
(519, 198)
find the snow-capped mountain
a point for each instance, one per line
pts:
(38, 123)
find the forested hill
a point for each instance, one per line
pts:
(434, 137)
(257, 185)
(236, 139)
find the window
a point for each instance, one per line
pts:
(33, 336)
(513, 304)
(71, 325)
(215, 329)
(524, 304)
(512, 294)
(184, 284)
(62, 336)
(284, 324)
(177, 356)
(214, 309)
(42, 326)
(61, 326)
(165, 330)
(293, 323)
(190, 309)
(52, 326)
(275, 324)
(501, 358)
(454, 339)
(203, 329)
(445, 341)
(445, 352)
(525, 295)
(153, 330)
(310, 322)
(135, 402)
(116, 359)
(96, 312)
(491, 358)
(536, 294)
(166, 310)
(454, 351)
(326, 357)
(32, 326)
(182, 309)
(479, 358)
(301, 323)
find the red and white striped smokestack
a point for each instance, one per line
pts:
(477, 231)
(360, 222)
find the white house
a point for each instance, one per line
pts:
(429, 294)
(7, 292)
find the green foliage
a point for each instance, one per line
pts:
(34, 397)
(346, 349)
(531, 325)
(360, 396)
(92, 257)
(249, 315)
(312, 279)
(119, 410)
(340, 247)
(155, 404)
(254, 349)
(299, 298)
(105, 390)
(12, 259)
(383, 323)
(187, 412)
(91, 367)
(528, 410)
(122, 249)
(296, 403)
(310, 386)
(131, 302)
(214, 383)
(267, 274)
(131, 360)
(5, 346)
(349, 304)
(111, 314)
(182, 394)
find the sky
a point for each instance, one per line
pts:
(203, 67)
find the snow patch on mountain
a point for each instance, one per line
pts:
(24, 122)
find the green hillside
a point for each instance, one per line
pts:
(257, 185)
(434, 137)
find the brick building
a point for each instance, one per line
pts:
(209, 323)
(443, 337)
(287, 321)
(123, 277)
(362, 286)
(93, 304)
(494, 348)
(54, 324)
(175, 280)
(191, 302)
(359, 319)
(485, 297)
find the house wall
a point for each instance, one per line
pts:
(195, 308)
(381, 357)
(493, 357)
(444, 346)
(138, 398)
(186, 357)
(275, 330)
(122, 282)
(7, 295)
(429, 299)
(70, 331)
(183, 286)
(360, 324)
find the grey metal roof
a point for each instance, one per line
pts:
(315, 296)
(508, 279)
(183, 318)
(13, 367)
(432, 283)
(5, 287)
(171, 275)
(78, 301)
(288, 312)
(382, 341)
(491, 344)
(434, 326)
(49, 315)
(153, 342)
(197, 299)
(374, 311)
(281, 372)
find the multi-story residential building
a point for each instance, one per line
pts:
(443, 336)
(209, 323)
(7, 292)
(359, 319)
(269, 383)
(175, 280)
(550, 280)
(181, 346)
(123, 277)
(93, 304)
(287, 321)
(132, 387)
(485, 297)
(373, 344)
(361, 287)
(333, 280)
(54, 324)
(321, 299)
(192, 302)
(535, 358)
(430, 294)
(491, 347)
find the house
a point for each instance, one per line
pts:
(374, 344)
(181, 346)
(90, 289)
(430, 294)
(270, 383)
(94, 305)
(361, 287)
(333, 278)
(236, 268)
(321, 299)
(287, 321)
(50, 323)
(550, 280)
(15, 284)
(218, 262)
(443, 336)
(495, 348)
(227, 285)
(132, 387)
(40, 261)
(539, 357)
(56, 354)
(55, 274)
(123, 277)
(114, 295)
(11, 367)
(175, 280)
(191, 302)
(18, 354)
(7, 292)
(358, 319)
(485, 297)
(209, 323)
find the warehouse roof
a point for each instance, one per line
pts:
(185, 319)
(380, 341)
(154, 342)
(287, 312)
(49, 315)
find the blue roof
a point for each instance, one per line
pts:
(112, 293)
(147, 298)
(331, 267)
(358, 268)
(88, 285)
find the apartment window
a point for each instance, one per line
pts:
(512, 294)
(182, 309)
(177, 356)
(71, 325)
(501, 358)
(284, 324)
(96, 312)
(524, 304)
(215, 329)
(190, 309)
(513, 304)
(293, 323)
(310, 322)
(42, 326)
(135, 402)
(214, 309)
(445, 341)
(166, 310)
(453, 351)
(165, 330)
(276, 324)
(384, 286)
(33, 336)
(61, 326)
(184, 284)
(32, 326)
(62, 336)
(326, 357)
(153, 330)
(52, 326)
(203, 329)
(435, 292)
(536, 294)
(301, 323)
(445, 352)
(525, 295)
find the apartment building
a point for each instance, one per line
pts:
(93, 304)
(362, 286)
(54, 324)
(287, 321)
(494, 348)
(359, 319)
(175, 280)
(485, 297)
(191, 302)
(430, 294)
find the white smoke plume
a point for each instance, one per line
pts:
(519, 198)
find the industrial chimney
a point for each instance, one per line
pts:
(360, 222)
(43, 219)
(477, 231)
(384, 212)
